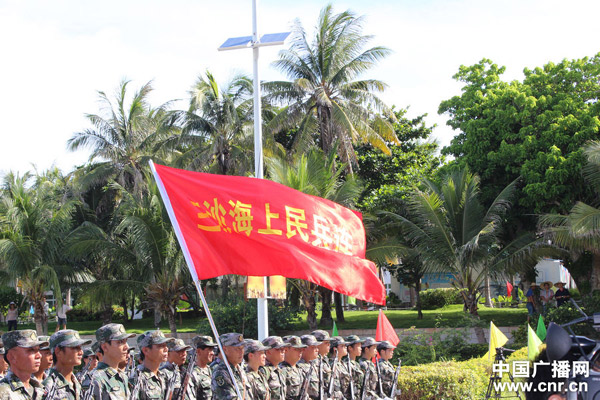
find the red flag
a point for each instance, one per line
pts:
(255, 227)
(509, 288)
(385, 330)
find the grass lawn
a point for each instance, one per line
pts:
(450, 316)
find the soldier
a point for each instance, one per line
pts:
(339, 369)
(66, 354)
(200, 382)
(323, 337)
(387, 370)
(89, 363)
(354, 351)
(107, 382)
(309, 359)
(153, 382)
(222, 385)
(175, 360)
(294, 376)
(22, 353)
(45, 362)
(3, 363)
(272, 373)
(369, 349)
(254, 354)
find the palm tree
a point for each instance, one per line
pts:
(449, 228)
(216, 130)
(33, 224)
(138, 256)
(316, 174)
(324, 95)
(123, 139)
(579, 231)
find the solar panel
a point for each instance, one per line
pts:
(272, 39)
(241, 42)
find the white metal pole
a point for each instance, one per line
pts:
(263, 311)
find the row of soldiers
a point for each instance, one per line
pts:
(315, 366)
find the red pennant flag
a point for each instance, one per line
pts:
(509, 288)
(385, 330)
(256, 227)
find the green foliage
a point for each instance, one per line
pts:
(533, 129)
(443, 344)
(432, 299)
(444, 380)
(388, 179)
(235, 314)
(8, 294)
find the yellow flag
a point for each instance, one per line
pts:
(533, 343)
(497, 339)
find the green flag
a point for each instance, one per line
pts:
(533, 343)
(541, 329)
(334, 332)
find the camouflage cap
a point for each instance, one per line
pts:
(353, 339)
(337, 340)
(294, 341)
(309, 340)
(369, 341)
(24, 338)
(252, 346)
(44, 339)
(96, 347)
(384, 345)
(178, 345)
(275, 342)
(67, 338)
(232, 339)
(203, 341)
(149, 338)
(88, 352)
(110, 332)
(321, 335)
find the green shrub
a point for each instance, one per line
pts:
(8, 294)
(234, 314)
(444, 380)
(432, 299)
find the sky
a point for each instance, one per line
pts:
(56, 55)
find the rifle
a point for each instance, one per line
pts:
(335, 361)
(171, 385)
(306, 382)
(186, 378)
(395, 380)
(363, 396)
(321, 388)
(135, 391)
(51, 391)
(351, 378)
(82, 374)
(87, 395)
(130, 368)
(379, 385)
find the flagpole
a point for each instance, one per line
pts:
(192, 269)
(261, 303)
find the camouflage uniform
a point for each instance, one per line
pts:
(221, 385)
(315, 383)
(175, 345)
(367, 365)
(199, 387)
(259, 387)
(55, 381)
(272, 373)
(11, 387)
(387, 371)
(357, 373)
(63, 389)
(153, 386)
(323, 336)
(294, 375)
(106, 382)
(341, 377)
